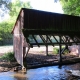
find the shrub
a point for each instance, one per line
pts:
(55, 50)
(66, 51)
(8, 56)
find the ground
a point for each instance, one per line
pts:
(35, 58)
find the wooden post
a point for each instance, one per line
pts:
(24, 59)
(46, 50)
(60, 46)
(46, 46)
(24, 51)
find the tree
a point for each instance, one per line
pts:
(71, 7)
(4, 6)
(5, 31)
(9, 6)
(16, 6)
(6, 26)
(6, 3)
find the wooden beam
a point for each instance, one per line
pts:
(27, 51)
(24, 49)
(67, 38)
(49, 32)
(60, 48)
(49, 39)
(35, 41)
(42, 39)
(66, 47)
(78, 38)
(55, 39)
(46, 46)
(24, 52)
(66, 43)
(28, 41)
(73, 39)
(63, 38)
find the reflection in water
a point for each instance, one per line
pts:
(44, 73)
(13, 76)
(20, 76)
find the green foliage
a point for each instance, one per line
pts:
(71, 7)
(55, 50)
(8, 56)
(6, 26)
(16, 6)
(4, 6)
(66, 51)
(5, 31)
(12, 7)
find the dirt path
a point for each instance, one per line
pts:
(5, 49)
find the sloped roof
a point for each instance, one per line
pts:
(41, 21)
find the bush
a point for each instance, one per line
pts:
(66, 51)
(8, 56)
(55, 50)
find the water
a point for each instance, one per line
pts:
(44, 73)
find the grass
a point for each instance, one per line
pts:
(56, 51)
(8, 56)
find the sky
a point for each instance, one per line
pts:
(45, 5)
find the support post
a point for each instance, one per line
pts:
(27, 51)
(60, 55)
(24, 58)
(46, 46)
(46, 50)
(24, 51)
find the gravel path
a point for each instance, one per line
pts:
(5, 49)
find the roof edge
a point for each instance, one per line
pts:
(16, 20)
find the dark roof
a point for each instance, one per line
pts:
(36, 21)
